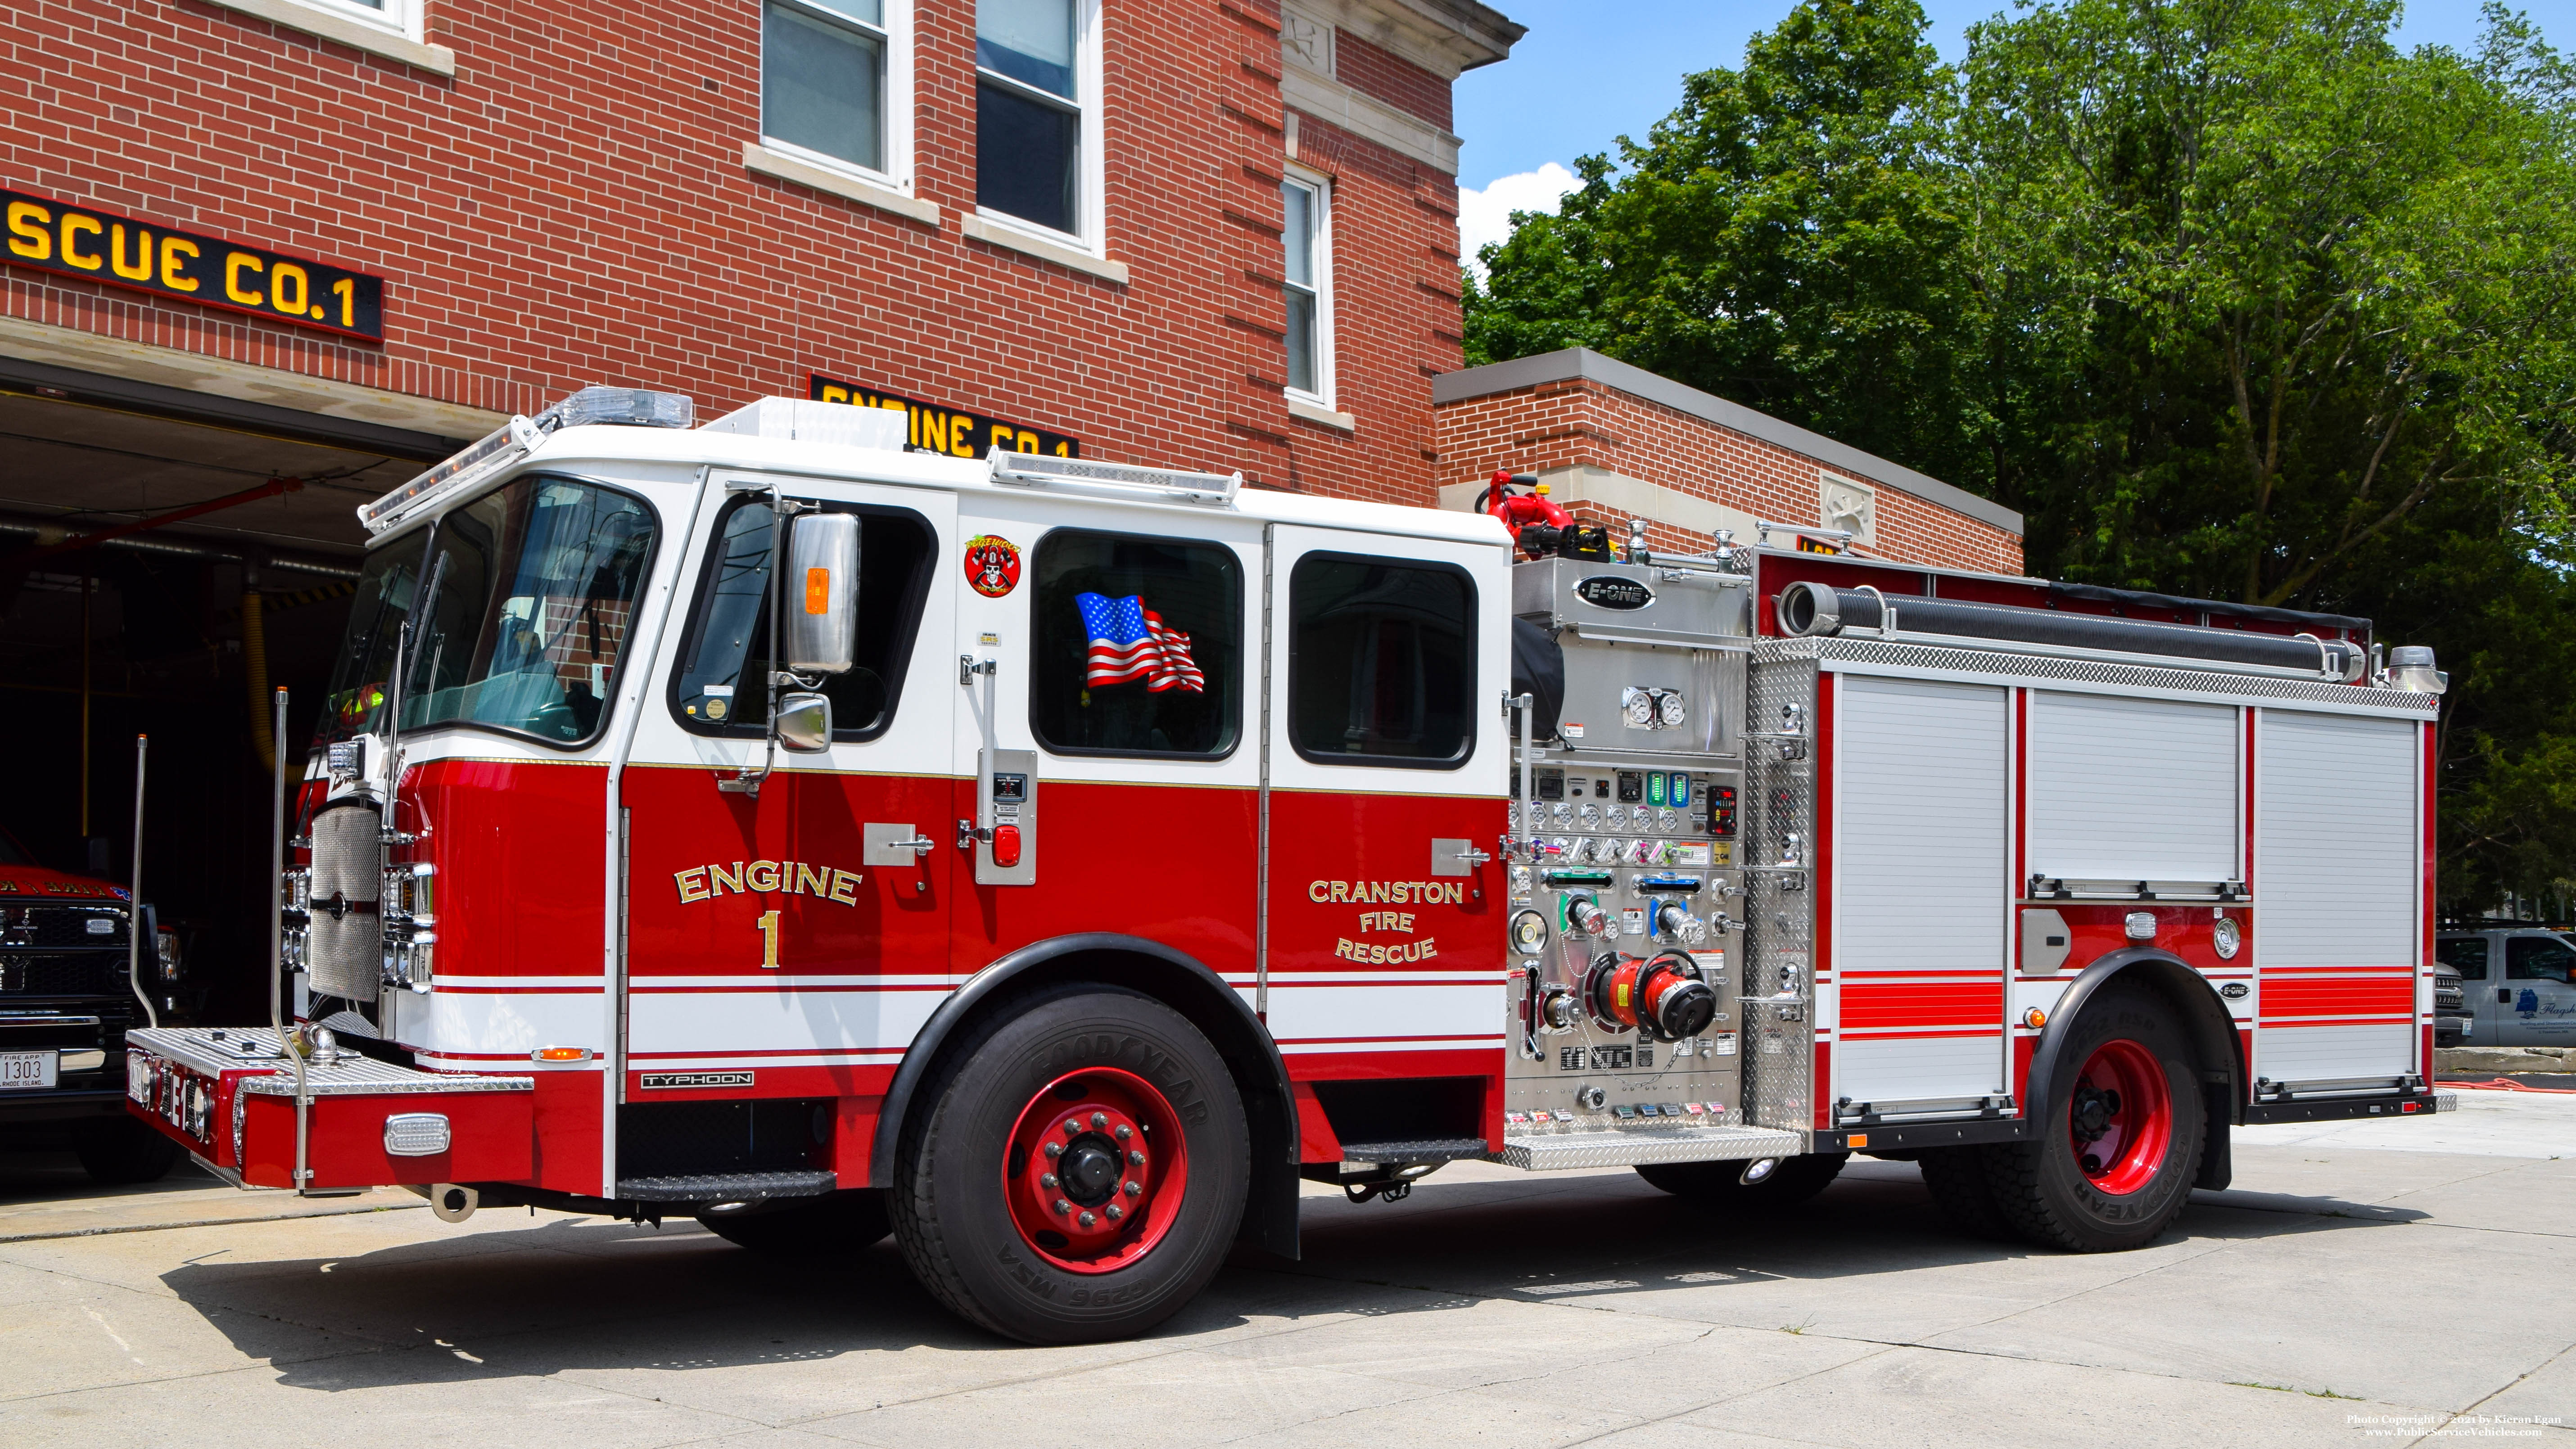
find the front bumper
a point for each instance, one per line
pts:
(228, 1096)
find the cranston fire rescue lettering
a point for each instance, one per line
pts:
(1387, 892)
(764, 877)
(82, 241)
(2025, 982)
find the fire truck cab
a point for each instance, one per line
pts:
(1052, 862)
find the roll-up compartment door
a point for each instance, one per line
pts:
(2336, 914)
(2133, 789)
(1921, 882)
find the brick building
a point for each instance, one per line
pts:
(278, 254)
(1615, 442)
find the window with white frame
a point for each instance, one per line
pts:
(830, 79)
(1308, 241)
(1036, 111)
(401, 17)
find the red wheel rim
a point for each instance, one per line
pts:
(1095, 1170)
(2120, 1120)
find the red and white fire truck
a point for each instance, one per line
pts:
(1056, 861)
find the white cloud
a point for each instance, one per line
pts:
(1486, 216)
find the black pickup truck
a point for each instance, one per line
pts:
(65, 1004)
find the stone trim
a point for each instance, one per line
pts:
(984, 230)
(756, 157)
(355, 34)
(1369, 118)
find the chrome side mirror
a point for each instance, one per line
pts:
(822, 595)
(804, 723)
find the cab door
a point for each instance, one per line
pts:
(1387, 749)
(788, 940)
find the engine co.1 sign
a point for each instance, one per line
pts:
(82, 241)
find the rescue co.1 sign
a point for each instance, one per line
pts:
(953, 431)
(82, 241)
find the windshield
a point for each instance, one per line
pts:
(523, 597)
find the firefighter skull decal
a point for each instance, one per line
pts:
(992, 565)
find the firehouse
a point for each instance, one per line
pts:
(1051, 862)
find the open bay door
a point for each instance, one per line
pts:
(1921, 892)
(2338, 904)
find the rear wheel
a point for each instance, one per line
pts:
(124, 1150)
(1077, 1171)
(844, 1222)
(1793, 1181)
(2119, 1139)
(1960, 1189)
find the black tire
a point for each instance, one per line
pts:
(843, 1222)
(1961, 1190)
(2041, 1188)
(124, 1151)
(949, 1199)
(1794, 1181)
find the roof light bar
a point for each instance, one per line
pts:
(1039, 470)
(632, 407)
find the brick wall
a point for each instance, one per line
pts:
(1582, 422)
(572, 208)
(1376, 71)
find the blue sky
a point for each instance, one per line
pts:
(1592, 70)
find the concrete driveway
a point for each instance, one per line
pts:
(2359, 1286)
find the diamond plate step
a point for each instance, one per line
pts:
(1426, 1149)
(1627, 1147)
(725, 1186)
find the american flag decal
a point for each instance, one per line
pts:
(1130, 641)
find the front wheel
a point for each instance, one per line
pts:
(2119, 1139)
(126, 1150)
(1078, 1170)
(1793, 1181)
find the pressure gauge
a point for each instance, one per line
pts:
(1644, 816)
(1512, 818)
(1591, 816)
(1666, 821)
(1529, 933)
(1564, 814)
(1640, 708)
(1668, 708)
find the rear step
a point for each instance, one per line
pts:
(1629, 1146)
(715, 1187)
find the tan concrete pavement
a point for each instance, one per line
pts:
(2337, 1291)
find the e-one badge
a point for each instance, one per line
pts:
(992, 564)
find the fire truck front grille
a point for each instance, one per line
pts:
(56, 927)
(87, 973)
(345, 936)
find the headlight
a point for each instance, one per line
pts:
(2224, 936)
(165, 948)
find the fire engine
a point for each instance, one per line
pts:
(1052, 862)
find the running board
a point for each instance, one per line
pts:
(726, 1186)
(1357, 1156)
(1557, 1152)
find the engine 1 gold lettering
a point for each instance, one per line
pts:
(767, 878)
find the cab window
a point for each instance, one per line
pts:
(718, 689)
(2538, 958)
(1138, 645)
(1381, 662)
(2464, 954)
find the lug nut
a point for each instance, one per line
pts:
(1087, 1220)
(1072, 1127)
(1115, 1212)
(1125, 1132)
(1135, 1189)
(1135, 1158)
(1055, 1149)
(1062, 1207)
(1047, 1180)
(1099, 1119)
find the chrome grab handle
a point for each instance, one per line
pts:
(1472, 856)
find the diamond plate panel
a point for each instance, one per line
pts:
(2039, 667)
(1569, 1150)
(1779, 905)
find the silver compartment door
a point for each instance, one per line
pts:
(1922, 871)
(2337, 914)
